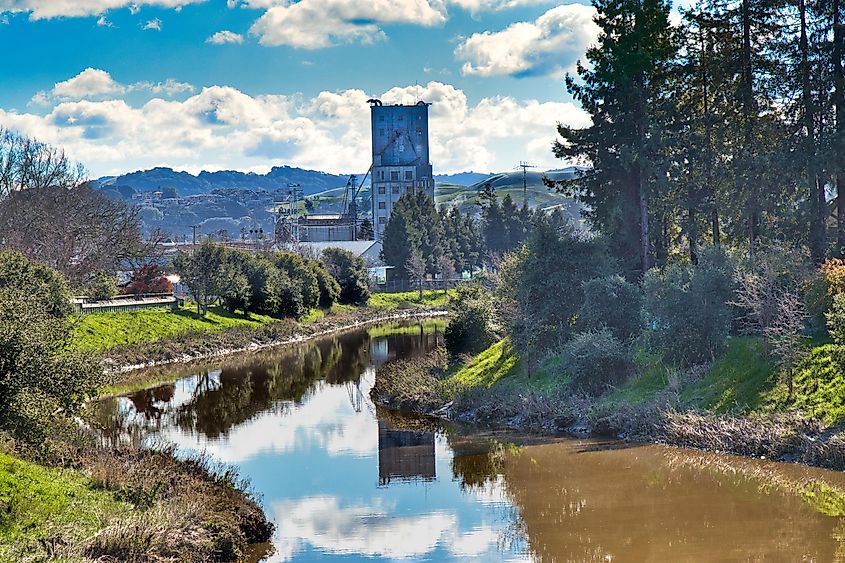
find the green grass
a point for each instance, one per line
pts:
(489, 367)
(651, 379)
(818, 388)
(738, 382)
(102, 331)
(409, 299)
(39, 503)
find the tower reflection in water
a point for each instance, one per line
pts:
(405, 455)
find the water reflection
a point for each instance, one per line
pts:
(342, 478)
(404, 454)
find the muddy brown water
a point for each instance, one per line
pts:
(345, 480)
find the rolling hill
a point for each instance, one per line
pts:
(186, 184)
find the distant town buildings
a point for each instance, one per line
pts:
(400, 156)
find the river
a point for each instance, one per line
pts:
(344, 480)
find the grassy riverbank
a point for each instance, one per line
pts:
(127, 505)
(107, 331)
(739, 403)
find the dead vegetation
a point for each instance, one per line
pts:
(417, 384)
(185, 509)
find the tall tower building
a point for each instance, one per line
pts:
(400, 157)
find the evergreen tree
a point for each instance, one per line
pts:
(625, 91)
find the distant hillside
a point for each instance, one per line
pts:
(461, 178)
(186, 184)
(510, 183)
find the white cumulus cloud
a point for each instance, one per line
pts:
(551, 44)
(476, 6)
(152, 25)
(222, 127)
(225, 36)
(314, 24)
(47, 9)
(93, 83)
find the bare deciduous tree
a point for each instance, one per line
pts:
(415, 266)
(28, 164)
(49, 213)
(776, 312)
(446, 268)
(784, 333)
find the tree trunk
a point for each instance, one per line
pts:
(693, 235)
(839, 106)
(817, 198)
(644, 241)
(708, 140)
(748, 110)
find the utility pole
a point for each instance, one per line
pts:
(194, 236)
(525, 166)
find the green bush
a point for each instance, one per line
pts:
(541, 287)
(687, 311)
(329, 287)
(836, 319)
(46, 285)
(351, 274)
(611, 302)
(597, 361)
(471, 328)
(40, 376)
(302, 276)
(289, 296)
(103, 287)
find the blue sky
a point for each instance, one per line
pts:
(248, 84)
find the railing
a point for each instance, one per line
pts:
(396, 286)
(87, 305)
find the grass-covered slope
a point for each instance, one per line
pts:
(126, 505)
(105, 331)
(102, 331)
(742, 381)
(434, 298)
(38, 504)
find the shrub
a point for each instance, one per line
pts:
(597, 360)
(149, 279)
(264, 280)
(103, 287)
(301, 275)
(613, 303)
(820, 289)
(350, 271)
(471, 328)
(329, 287)
(289, 296)
(46, 285)
(552, 263)
(836, 319)
(40, 376)
(687, 311)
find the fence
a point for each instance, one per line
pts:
(87, 305)
(396, 286)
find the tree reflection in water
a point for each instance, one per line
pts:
(249, 385)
